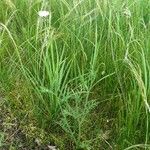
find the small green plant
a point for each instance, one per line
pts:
(75, 115)
(1, 139)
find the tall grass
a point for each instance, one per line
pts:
(86, 66)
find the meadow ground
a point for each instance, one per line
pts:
(75, 74)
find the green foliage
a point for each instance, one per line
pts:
(1, 139)
(72, 72)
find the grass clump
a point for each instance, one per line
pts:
(75, 76)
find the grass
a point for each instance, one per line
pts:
(78, 78)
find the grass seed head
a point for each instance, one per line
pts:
(127, 13)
